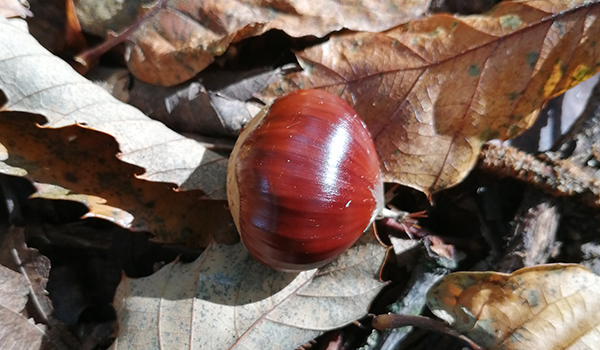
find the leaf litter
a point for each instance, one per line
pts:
(509, 28)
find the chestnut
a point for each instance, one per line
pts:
(303, 181)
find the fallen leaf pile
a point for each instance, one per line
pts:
(431, 88)
(35, 81)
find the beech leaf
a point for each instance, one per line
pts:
(227, 300)
(434, 90)
(541, 307)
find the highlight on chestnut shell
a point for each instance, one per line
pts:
(303, 181)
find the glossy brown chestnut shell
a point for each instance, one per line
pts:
(303, 181)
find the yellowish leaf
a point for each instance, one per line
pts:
(541, 307)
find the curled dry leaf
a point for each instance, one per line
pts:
(173, 40)
(541, 307)
(227, 300)
(433, 90)
(189, 108)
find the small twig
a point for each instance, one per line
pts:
(558, 177)
(383, 322)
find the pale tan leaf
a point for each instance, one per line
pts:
(7, 169)
(13, 290)
(35, 81)
(227, 300)
(14, 8)
(97, 205)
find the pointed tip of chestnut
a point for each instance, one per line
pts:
(303, 181)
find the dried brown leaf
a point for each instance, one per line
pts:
(82, 167)
(35, 81)
(35, 267)
(541, 307)
(433, 90)
(176, 39)
(189, 108)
